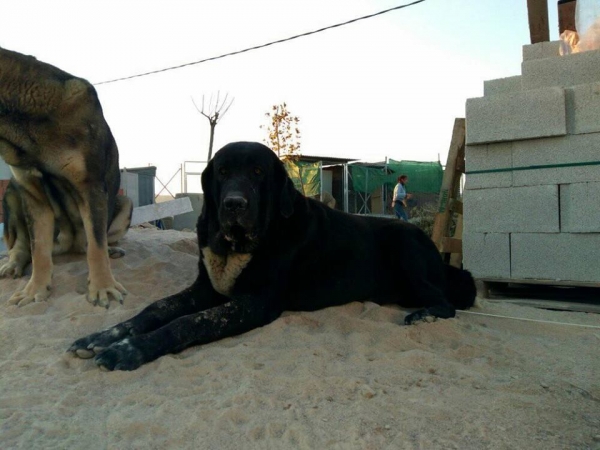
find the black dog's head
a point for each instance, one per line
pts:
(245, 188)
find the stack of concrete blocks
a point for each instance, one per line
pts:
(541, 223)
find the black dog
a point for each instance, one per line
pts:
(265, 248)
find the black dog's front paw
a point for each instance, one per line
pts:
(120, 356)
(419, 316)
(430, 314)
(95, 343)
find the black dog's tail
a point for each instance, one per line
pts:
(460, 287)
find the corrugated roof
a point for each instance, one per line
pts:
(326, 159)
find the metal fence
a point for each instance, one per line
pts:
(191, 172)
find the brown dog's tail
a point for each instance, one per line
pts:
(460, 287)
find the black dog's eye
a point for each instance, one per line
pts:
(223, 171)
(258, 171)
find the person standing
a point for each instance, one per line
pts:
(399, 198)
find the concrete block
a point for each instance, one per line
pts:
(568, 70)
(502, 86)
(583, 108)
(487, 255)
(488, 157)
(561, 256)
(529, 209)
(574, 149)
(189, 220)
(541, 50)
(155, 211)
(521, 115)
(580, 208)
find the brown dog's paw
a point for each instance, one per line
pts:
(11, 269)
(99, 294)
(33, 292)
(115, 252)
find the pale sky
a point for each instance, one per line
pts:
(388, 86)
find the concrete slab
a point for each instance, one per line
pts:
(488, 157)
(502, 86)
(541, 50)
(580, 208)
(189, 220)
(529, 209)
(568, 70)
(487, 255)
(522, 115)
(155, 211)
(560, 256)
(583, 108)
(576, 149)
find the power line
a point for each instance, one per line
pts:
(395, 8)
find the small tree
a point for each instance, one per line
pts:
(284, 134)
(213, 114)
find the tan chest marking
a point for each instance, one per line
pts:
(224, 270)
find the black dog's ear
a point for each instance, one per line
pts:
(207, 178)
(288, 192)
(209, 211)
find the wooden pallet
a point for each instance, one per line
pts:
(449, 202)
(551, 294)
(489, 283)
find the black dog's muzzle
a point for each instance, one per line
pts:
(235, 203)
(238, 218)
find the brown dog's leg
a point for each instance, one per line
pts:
(40, 223)
(94, 213)
(122, 220)
(119, 225)
(16, 235)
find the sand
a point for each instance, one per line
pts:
(350, 377)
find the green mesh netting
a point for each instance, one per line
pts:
(306, 176)
(425, 177)
(367, 179)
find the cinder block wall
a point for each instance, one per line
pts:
(532, 191)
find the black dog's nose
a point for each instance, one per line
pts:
(235, 203)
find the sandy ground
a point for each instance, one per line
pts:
(350, 377)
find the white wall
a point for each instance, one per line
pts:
(327, 181)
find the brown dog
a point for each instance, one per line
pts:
(65, 165)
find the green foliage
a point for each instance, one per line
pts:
(283, 132)
(423, 217)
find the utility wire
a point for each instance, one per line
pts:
(263, 45)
